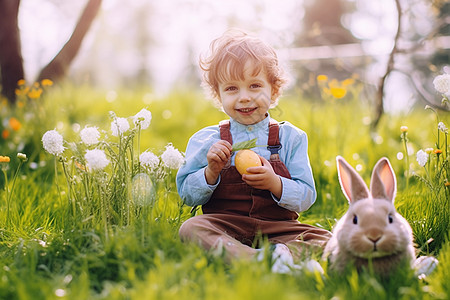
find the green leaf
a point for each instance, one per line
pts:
(244, 145)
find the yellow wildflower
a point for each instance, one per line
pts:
(23, 90)
(338, 92)
(404, 128)
(35, 93)
(20, 104)
(348, 81)
(437, 151)
(46, 82)
(429, 150)
(4, 159)
(15, 124)
(21, 82)
(322, 78)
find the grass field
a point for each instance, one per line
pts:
(68, 233)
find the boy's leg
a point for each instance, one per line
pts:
(302, 239)
(213, 231)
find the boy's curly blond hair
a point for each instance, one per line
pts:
(227, 58)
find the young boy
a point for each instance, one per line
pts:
(243, 76)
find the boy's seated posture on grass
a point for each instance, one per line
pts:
(243, 75)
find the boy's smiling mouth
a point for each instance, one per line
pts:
(246, 110)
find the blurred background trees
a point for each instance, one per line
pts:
(157, 43)
(11, 63)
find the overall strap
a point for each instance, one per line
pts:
(225, 133)
(273, 142)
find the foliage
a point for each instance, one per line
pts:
(54, 243)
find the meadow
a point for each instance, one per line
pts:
(71, 228)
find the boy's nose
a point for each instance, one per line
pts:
(244, 96)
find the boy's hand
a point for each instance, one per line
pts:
(217, 157)
(264, 178)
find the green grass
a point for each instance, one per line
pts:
(47, 252)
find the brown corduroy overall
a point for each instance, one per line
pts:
(237, 213)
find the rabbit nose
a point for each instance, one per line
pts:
(374, 235)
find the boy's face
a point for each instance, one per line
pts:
(246, 101)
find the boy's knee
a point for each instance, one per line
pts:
(188, 229)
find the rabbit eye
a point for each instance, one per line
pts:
(355, 219)
(390, 218)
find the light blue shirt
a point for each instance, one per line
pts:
(298, 193)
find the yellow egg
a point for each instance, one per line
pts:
(245, 159)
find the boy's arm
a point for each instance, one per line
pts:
(191, 183)
(299, 192)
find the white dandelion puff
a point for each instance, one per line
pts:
(442, 127)
(422, 158)
(442, 83)
(172, 158)
(90, 135)
(53, 142)
(119, 126)
(96, 159)
(143, 118)
(149, 160)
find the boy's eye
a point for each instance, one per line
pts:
(255, 86)
(230, 88)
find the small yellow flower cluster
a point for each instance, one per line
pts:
(333, 87)
(33, 92)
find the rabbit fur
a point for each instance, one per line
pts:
(371, 229)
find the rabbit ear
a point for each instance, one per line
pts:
(353, 186)
(383, 183)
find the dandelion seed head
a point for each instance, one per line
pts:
(172, 158)
(422, 157)
(149, 160)
(442, 127)
(143, 117)
(442, 83)
(96, 159)
(119, 126)
(53, 142)
(90, 135)
(404, 128)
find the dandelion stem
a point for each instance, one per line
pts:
(12, 188)
(69, 190)
(405, 145)
(7, 192)
(56, 181)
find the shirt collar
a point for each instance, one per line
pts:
(264, 124)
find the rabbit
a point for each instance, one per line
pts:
(371, 229)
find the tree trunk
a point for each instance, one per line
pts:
(11, 63)
(58, 67)
(379, 100)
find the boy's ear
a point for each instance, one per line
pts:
(274, 95)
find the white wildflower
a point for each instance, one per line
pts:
(143, 117)
(172, 158)
(22, 157)
(96, 159)
(90, 135)
(442, 127)
(442, 83)
(119, 126)
(422, 157)
(53, 142)
(149, 160)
